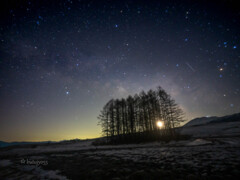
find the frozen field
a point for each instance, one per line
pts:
(198, 158)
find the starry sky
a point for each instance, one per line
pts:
(61, 61)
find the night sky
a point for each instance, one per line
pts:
(61, 61)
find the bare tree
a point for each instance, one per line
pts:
(140, 114)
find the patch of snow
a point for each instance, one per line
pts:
(63, 155)
(63, 147)
(199, 142)
(191, 153)
(43, 174)
(27, 167)
(49, 174)
(37, 157)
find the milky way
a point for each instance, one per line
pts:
(61, 61)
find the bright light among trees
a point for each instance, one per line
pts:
(159, 124)
(142, 113)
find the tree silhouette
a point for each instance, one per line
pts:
(133, 116)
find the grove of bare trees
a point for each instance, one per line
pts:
(140, 114)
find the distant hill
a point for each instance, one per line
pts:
(213, 119)
(6, 144)
(229, 118)
(213, 126)
(3, 144)
(200, 121)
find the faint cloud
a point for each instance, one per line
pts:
(121, 91)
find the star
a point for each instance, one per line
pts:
(82, 51)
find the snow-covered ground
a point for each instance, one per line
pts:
(181, 152)
(213, 126)
(200, 157)
(213, 129)
(27, 172)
